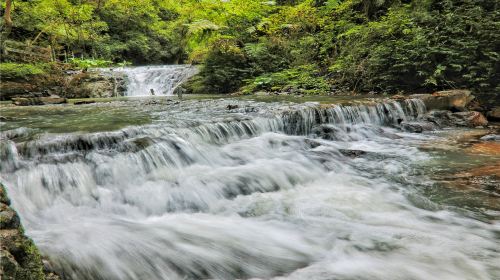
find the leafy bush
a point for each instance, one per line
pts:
(89, 63)
(426, 45)
(21, 70)
(302, 79)
(225, 67)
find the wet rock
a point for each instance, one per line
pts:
(84, 102)
(454, 100)
(37, 86)
(447, 118)
(398, 97)
(417, 127)
(152, 102)
(491, 137)
(412, 127)
(470, 119)
(3, 196)
(352, 153)
(475, 105)
(8, 265)
(326, 132)
(232, 107)
(95, 85)
(8, 217)
(312, 143)
(19, 257)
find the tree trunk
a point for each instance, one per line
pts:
(7, 20)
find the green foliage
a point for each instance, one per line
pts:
(225, 66)
(89, 63)
(299, 80)
(349, 45)
(21, 70)
(423, 45)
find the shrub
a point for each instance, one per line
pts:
(302, 79)
(21, 70)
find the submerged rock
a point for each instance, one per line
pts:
(485, 148)
(352, 153)
(19, 257)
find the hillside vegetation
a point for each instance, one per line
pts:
(308, 46)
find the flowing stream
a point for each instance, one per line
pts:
(233, 188)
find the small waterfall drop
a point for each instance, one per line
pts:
(162, 79)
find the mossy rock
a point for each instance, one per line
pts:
(19, 257)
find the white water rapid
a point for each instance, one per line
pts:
(161, 79)
(233, 189)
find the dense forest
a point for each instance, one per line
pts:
(306, 46)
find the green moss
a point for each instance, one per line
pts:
(27, 256)
(21, 70)
(30, 262)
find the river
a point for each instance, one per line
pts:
(226, 188)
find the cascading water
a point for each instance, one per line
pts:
(158, 80)
(226, 189)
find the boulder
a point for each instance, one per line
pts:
(447, 118)
(37, 86)
(95, 85)
(470, 119)
(454, 100)
(417, 127)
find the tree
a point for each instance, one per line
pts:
(7, 21)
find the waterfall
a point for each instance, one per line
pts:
(234, 189)
(161, 79)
